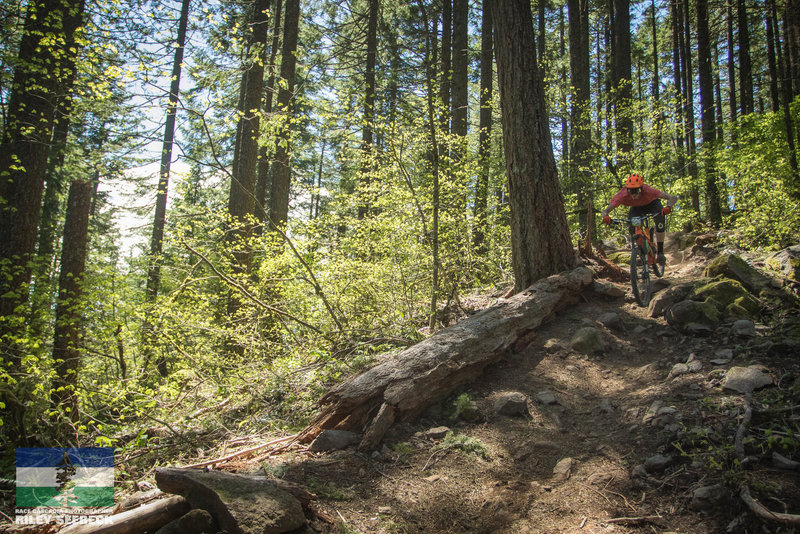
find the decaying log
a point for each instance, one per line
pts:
(136, 500)
(149, 517)
(402, 387)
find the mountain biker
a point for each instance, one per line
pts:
(643, 200)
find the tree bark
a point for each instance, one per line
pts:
(580, 141)
(241, 200)
(282, 171)
(263, 177)
(540, 242)
(791, 19)
(147, 518)
(38, 84)
(368, 163)
(485, 130)
(745, 63)
(621, 72)
(159, 221)
(67, 340)
(707, 111)
(401, 388)
(688, 100)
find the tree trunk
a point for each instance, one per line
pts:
(157, 239)
(732, 98)
(783, 68)
(262, 180)
(677, 69)
(431, 60)
(368, 163)
(621, 72)
(447, 70)
(67, 340)
(39, 79)
(460, 80)
(282, 172)
(707, 113)
(485, 130)
(401, 388)
(791, 19)
(745, 63)
(772, 65)
(540, 243)
(241, 200)
(688, 99)
(580, 141)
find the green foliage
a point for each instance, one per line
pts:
(465, 444)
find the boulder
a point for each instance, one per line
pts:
(729, 297)
(587, 340)
(511, 403)
(786, 261)
(239, 504)
(688, 314)
(607, 289)
(334, 440)
(732, 266)
(662, 301)
(747, 379)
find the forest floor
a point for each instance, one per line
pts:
(615, 441)
(612, 442)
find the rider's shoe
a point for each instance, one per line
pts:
(661, 259)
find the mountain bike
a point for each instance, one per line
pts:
(643, 256)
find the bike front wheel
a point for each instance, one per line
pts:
(640, 276)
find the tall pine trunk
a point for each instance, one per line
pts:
(67, 339)
(540, 243)
(41, 75)
(745, 63)
(581, 134)
(282, 172)
(485, 130)
(157, 238)
(368, 162)
(708, 119)
(621, 72)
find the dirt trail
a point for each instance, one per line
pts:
(586, 457)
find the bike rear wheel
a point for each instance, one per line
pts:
(640, 276)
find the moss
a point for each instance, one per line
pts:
(724, 292)
(620, 258)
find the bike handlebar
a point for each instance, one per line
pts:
(630, 220)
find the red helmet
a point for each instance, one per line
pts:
(634, 181)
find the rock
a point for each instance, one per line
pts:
(695, 366)
(786, 261)
(334, 440)
(677, 370)
(657, 463)
(722, 356)
(687, 314)
(746, 379)
(607, 289)
(563, 469)
(729, 297)
(587, 340)
(743, 328)
(709, 497)
(239, 504)
(732, 266)
(662, 301)
(546, 397)
(194, 522)
(438, 432)
(610, 320)
(553, 345)
(513, 403)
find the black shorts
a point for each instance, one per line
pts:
(653, 208)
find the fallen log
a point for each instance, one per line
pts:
(149, 517)
(401, 388)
